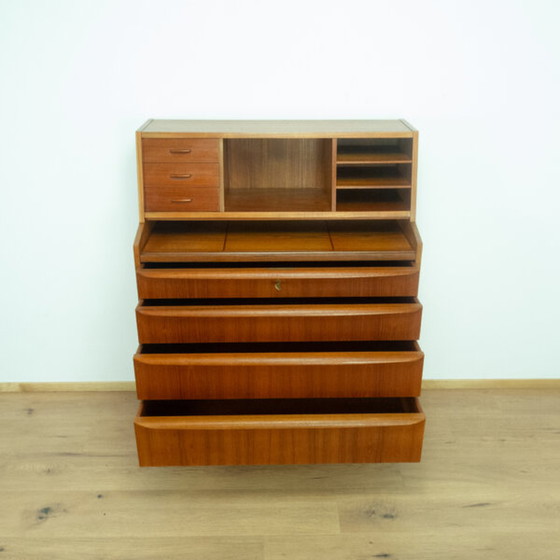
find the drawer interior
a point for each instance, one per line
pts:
(266, 407)
(275, 265)
(261, 302)
(279, 431)
(280, 347)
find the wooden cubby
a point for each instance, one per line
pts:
(275, 175)
(374, 174)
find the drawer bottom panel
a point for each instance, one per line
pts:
(279, 431)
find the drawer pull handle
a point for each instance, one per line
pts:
(185, 176)
(182, 200)
(278, 285)
(182, 151)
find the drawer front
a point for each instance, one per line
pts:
(182, 199)
(307, 432)
(278, 322)
(179, 150)
(181, 174)
(277, 282)
(371, 370)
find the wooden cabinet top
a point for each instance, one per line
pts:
(157, 128)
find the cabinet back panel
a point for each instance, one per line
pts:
(277, 163)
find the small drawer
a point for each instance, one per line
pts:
(290, 280)
(182, 199)
(297, 370)
(160, 150)
(323, 319)
(178, 174)
(285, 431)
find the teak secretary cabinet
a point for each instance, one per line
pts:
(277, 267)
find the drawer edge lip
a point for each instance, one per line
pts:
(251, 256)
(319, 135)
(263, 273)
(257, 281)
(177, 135)
(281, 422)
(213, 163)
(158, 186)
(258, 359)
(263, 216)
(279, 310)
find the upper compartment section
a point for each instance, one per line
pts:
(276, 170)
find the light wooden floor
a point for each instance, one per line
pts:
(488, 488)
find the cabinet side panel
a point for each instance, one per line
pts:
(140, 175)
(414, 176)
(412, 234)
(334, 148)
(142, 235)
(222, 174)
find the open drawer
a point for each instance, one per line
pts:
(282, 320)
(271, 280)
(272, 370)
(272, 431)
(258, 241)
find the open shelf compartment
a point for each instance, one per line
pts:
(379, 200)
(277, 175)
(365, 151)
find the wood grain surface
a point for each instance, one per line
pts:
(187, 174)
(487, 488)
(427, 384)
(278, 371)
(279, 432)
(289, 281)
(173, 150)
(162, 321)
(262, 164)
(214, 241)
(162, 128)
(180, 197)
(280, 169)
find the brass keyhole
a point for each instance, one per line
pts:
(278, 285)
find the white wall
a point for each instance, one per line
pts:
(478, 78)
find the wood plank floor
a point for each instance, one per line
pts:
(488, 487)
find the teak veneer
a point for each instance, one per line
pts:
(269, 370)
(279, 431)
(277, 267)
